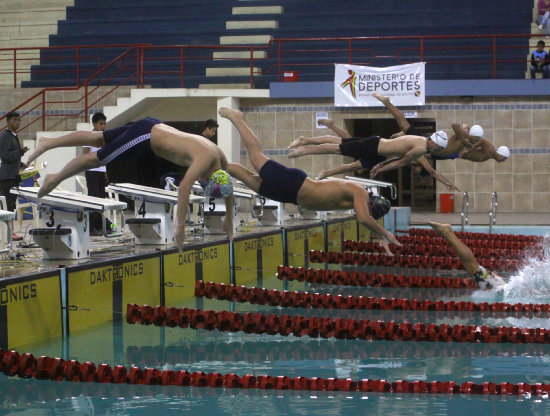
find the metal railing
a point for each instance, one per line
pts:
(144, 64)
(493, 211)
(465, 210)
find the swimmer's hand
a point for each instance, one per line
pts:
(452, 187)
(325, 122)
(385, 246)
(374, 171)
(179, 235)
(322, 175)
(391, 238)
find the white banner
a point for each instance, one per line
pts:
(403, 84)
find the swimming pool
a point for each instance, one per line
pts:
(119, 343)
(211, 351)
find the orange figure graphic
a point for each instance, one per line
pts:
(350, 81)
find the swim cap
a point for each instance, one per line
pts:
(219, 185)
(504, 151)
(440, 138)
(379, 206)
(476, 130)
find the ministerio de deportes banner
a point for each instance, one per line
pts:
(403, 84)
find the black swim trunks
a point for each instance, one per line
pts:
(453, 156)
(127, 142)
(281, 183)
(364, 149)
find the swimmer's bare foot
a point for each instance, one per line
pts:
(42, 144)
(443, 229)
(299, 151)
(382, 98)
(230, 113)
(47, 186)
(300, 141)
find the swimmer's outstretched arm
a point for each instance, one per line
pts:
(361, 207)
(198, 167)
(462, 251)
(402, 122)
(229, 203)
(348, 167)
(344, 134)
(436, 175)
(465, 139)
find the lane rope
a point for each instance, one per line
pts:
(401, 260)
(323, 327)
(56, 369)
(354, 278)
(295, 299)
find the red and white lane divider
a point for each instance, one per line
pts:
(424, 262)
(294, 299)
(479, 236)
(441, 248)
(353, 278)
(322, 327)
(47, 368)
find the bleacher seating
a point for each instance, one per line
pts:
(166, 22)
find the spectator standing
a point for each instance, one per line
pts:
(96, 178)
(539, 61)
(210, 129)
(10, 162)
(543, 19)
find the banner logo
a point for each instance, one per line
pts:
(350, 82)
(355, 85)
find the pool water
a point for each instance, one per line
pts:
(210, 351)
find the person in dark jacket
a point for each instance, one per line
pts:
(540, 61)
(10, 161)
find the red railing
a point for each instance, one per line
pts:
(143, 64)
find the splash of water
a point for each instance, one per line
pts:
(531, 284)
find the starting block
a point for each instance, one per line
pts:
(267, 211)
(6, 217)
(311, 215)
(155, 212)
(64, 231)
(272, 212)
(374, 186)
(214, 213)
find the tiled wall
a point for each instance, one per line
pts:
(522, 182)
(523, 124)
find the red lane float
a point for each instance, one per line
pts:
(346, 278)
(322, 327)
(423, 262)
(442, 249)
(47, 368)
(480, 236)
(294, 299)
(477, 242)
